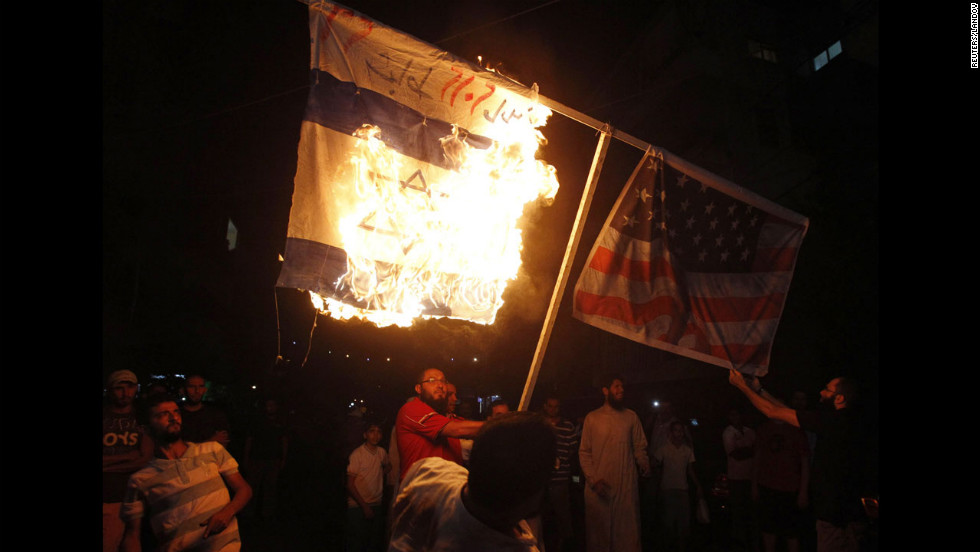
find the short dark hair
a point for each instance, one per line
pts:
(608, 379)
(512, 459)
(155, 399)
(420, 373)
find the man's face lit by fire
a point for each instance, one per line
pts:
(830, 396)
(165, 421)
(432, 389)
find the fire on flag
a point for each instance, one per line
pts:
(414, 168)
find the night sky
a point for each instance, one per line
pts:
(202, 105)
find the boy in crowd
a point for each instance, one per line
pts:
(366, 469)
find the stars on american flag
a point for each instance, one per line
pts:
(713, 232)
(643, 194)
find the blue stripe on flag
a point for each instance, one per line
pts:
(312, 266)
(317, 267)
(343, 107)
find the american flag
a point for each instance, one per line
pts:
(691, 263)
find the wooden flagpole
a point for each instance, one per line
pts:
(583, 212)
(577, 229)
(580, 117)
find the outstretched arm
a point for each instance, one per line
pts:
(458, 428)
(769, 408)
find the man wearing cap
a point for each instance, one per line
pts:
(126, 447)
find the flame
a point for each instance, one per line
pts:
(444, 245)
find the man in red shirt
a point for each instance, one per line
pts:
(423, 428)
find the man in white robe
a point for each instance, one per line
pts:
(613, 454)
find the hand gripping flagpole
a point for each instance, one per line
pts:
(566, 264)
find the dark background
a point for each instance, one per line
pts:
(202, 104)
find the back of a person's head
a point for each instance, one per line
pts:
(500, 402)
(512, 458)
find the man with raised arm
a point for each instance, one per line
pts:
(423, 430)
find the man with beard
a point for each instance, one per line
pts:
(612, 454)
(424, 430)
(184, 490)
(837, 479)
(201, 421)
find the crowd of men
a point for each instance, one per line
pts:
(500, 483)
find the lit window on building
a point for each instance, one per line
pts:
(834, 49)
(824, 57)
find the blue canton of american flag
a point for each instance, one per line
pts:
(690, 263)
(704, 229)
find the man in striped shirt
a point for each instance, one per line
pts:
(184, 490)
(558, 515)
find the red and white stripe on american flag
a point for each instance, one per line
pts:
(690, 263)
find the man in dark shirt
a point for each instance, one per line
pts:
(836, 480)
(202, 421)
